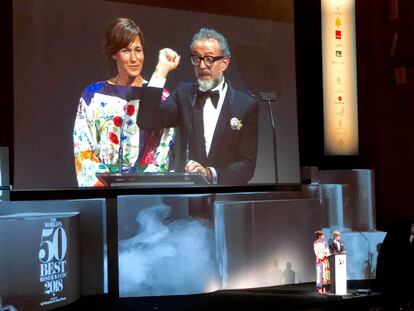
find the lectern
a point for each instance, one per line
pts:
(152, 179)
(337, 266)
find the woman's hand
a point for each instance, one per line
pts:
(168, 60)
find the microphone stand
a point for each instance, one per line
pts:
(270, 97)
(121, 149)
(369, 259)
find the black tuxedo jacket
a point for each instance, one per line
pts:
(232, 152)
(333, 247)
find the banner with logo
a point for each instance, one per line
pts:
(340, 101)
(39, 260)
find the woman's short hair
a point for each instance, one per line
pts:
(119, 34)
(318, 233)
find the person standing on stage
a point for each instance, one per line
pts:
(217, 124)
(106, 137)
(336, 246)
(322, 266)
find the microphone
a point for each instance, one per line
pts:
(270, 97)
(187, 153)
(369, 254)
(121, 149)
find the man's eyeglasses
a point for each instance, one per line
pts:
(208, 60)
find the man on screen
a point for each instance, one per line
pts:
(217, 124)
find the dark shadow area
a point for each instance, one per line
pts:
(288, 297)
(395, 267)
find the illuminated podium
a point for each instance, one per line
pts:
(337, 266)
(152, 179)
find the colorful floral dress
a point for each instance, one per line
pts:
(106, 127)
(322, 265)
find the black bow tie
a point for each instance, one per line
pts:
(202, 97)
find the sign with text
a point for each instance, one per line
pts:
(39, 255)
(340, 101)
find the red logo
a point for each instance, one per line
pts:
(338, 34)
(340, 98)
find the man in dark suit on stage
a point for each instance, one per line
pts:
(336, 246)
(217, 124)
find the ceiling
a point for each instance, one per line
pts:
(275, 10)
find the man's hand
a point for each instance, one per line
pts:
(168, 60)
(195, 167)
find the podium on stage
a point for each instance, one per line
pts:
(152, 179)
(337, 266)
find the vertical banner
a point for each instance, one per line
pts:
(340, 101)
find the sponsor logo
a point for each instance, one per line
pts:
(339, 90)
(338, 22)
(338, 7)
(53, 264)
(338, 34)
(339, 100)
(339, 70)
(341, 112)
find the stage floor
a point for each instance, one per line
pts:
(288, 297)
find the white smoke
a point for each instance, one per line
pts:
(167, 257)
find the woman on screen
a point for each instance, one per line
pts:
(322, 266)
(106, 137)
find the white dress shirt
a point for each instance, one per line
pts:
(210, 115)
(338, 245)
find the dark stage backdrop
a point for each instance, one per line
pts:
(58, 52)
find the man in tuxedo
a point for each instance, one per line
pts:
(336, 246)
(217, 124)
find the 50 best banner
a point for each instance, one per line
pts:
(43, 267)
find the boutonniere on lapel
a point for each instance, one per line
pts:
(236, 124)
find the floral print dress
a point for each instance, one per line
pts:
(106, 131)
(322, 265)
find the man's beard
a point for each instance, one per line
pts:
(204, 85)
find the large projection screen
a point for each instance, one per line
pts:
(58, 52)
